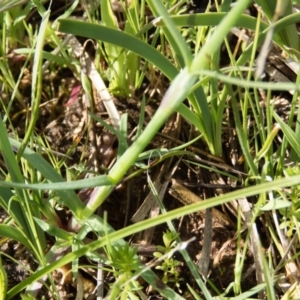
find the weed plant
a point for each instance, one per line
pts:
(186, 49)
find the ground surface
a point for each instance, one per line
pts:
(65, 126)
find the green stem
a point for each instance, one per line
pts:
(172, 99)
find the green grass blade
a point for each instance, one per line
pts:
(68, 197)
(46, 55)
(290, 135)
(14, 234)
(115, 56)
(174, 37)
(242, 139)
(268, 143)
(18, 209)
(36, 82)
(279, 86)
(191, 117)
(3, 281)
(205, 115)
(213, 19)
(120, 39)
(246, 295)
(9, 4)
(55, 231)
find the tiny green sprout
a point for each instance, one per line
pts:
(125, 263)
(169, 266)
(124, 258)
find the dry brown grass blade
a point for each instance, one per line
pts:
(89, 68)
(185, 196)
(147, 205)
(254, 239)
(213, 218)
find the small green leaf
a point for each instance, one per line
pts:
(54, 231)
(14, 233)
(157, 254)
(291, 136)
(275, 204)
